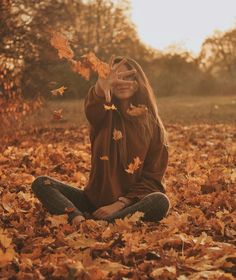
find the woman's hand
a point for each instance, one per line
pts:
(108, 210)
(113, 79)
(77, 220)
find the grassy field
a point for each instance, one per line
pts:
(181, 110)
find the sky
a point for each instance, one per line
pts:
(161, 23)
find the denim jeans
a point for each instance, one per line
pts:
(56, 196)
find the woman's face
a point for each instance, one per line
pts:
(124, 92)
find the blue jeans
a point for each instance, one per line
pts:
(56, 196)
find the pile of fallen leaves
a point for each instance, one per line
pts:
(195, 241)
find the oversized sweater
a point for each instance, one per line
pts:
(111, 175)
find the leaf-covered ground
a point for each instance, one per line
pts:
(195, 241)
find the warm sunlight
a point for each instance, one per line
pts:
(117, 139)
(184, 22)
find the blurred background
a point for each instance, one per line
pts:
(186, 48)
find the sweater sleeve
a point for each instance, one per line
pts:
(154, 168)
(94, 107)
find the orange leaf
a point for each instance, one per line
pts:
(117, 134)
(57, 114)
(91, 61)
(137, 110)
(134, 166)
(58, 91)
(104, 158)
(83, 70)
(60, 42)
(109, 107)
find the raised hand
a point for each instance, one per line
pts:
(113, 79)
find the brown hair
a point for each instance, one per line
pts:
(144, 94)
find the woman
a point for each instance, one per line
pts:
(129, 153)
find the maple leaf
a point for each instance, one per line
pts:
(134, 166)
(60, 42)
(89, 62)
(6, 256)
(57, 114)
(57, 220)
(8, 253)
(117, 134)
(58, 91)
(93, 62)
(137, 110)
(109, 107)
(104, 158)
(83, 70)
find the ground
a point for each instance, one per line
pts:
(196, 239)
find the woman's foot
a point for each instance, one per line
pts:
(77, 220)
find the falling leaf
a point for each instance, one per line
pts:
(117, 134)
(91, 61)
(60, 42)
(134, 166)
(109, 107)
(104, 158)
(83, 70)
(57, 114)
(58, 91)
(137, 110)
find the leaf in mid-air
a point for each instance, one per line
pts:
(57, 114)
(137, 110)
(58, 91)
(82, 69)
(104, 158)
(110, 107)
(60, 42)
(117, 134)
(90, 60)
(134, 165)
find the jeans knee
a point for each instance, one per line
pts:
(39, 181)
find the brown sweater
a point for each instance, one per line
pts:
(108, 177)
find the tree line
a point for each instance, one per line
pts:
(29, 65)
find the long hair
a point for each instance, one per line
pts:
(145, 95)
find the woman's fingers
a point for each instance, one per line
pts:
(108, 95)
(100, 213)
(111, 61)
(126, 73)
(123, 61)
(119, 82)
